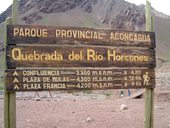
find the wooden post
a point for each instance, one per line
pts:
(6, 94)
(149, 93)
(152, 90)
(15, 11)
(10, 98)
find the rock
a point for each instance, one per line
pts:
(55, 6)
(121, 95)
(123, 107)
(37, 99)
(25, 99)
(57, 96)
(113, 110)
(1, 97)
(44, 96)
(158, 107)
(76, 94)
(158, 84)
(29, 97)
(83, 121)
(89, 119)
(31, 18)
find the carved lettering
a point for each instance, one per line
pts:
(78, 34)
(121, 36)
(30, 32)
(19, 55)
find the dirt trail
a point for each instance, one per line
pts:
(87, 113)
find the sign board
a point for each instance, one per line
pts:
(88, 58)
(78, 56)
(20, 34)
(76, 79)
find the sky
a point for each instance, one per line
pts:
(5, 4)
(160, 5)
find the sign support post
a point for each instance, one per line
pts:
(10, 97)
(6, 94)
(149, 93)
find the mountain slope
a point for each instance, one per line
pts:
(115, 14)
(162, 28)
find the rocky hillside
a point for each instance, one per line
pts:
(116, 14)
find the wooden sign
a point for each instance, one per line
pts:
(25, 34)
(78, 56)
(84, 78)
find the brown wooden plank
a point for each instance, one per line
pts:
(76, 56)
(78, 79)
(29, 34)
